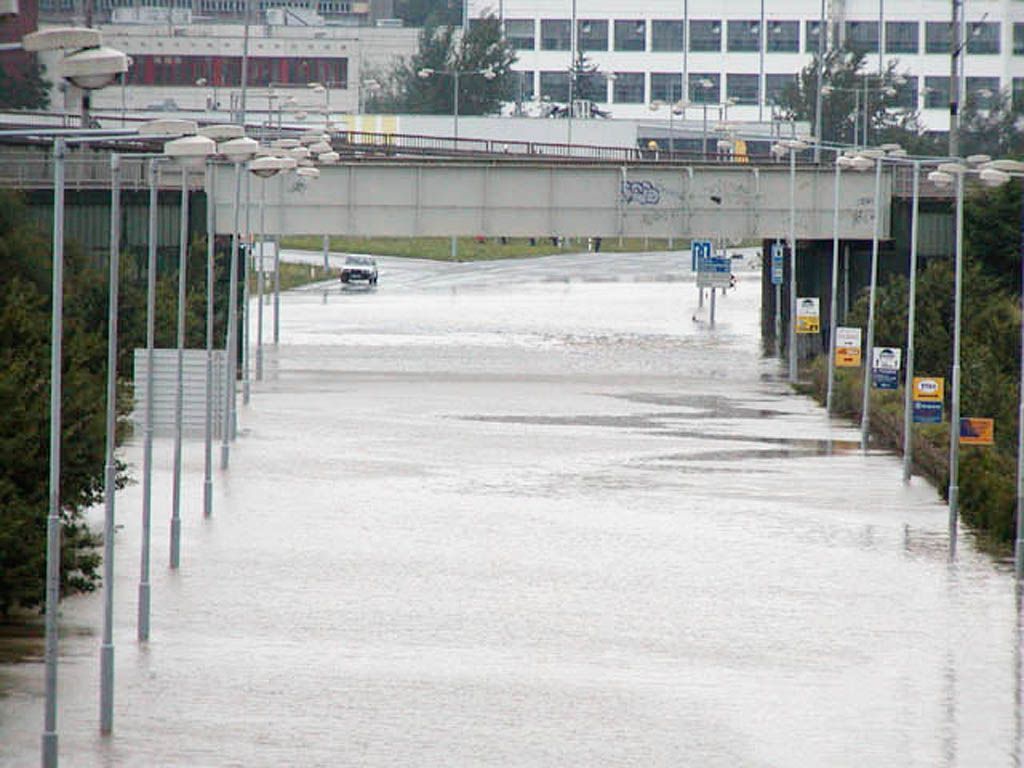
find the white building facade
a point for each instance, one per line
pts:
(739, 54)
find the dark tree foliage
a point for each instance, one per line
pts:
(845, 77)
(429, 13)
(24, 421)
(482, 58)
(25, 88)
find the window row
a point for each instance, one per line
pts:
(706, 36)
(739, 88)
(226, 71)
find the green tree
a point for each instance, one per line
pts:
(482, 57)
(990, 127)
(429, 13)
(844, 77)
(24, 88)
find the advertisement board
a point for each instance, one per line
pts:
(885, 367)
(928, 394)
(808, 318)
(848, 344)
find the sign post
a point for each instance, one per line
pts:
(699, 251)
(778, 256)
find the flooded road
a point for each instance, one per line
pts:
(530, 513)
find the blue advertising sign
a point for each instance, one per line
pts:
(777, 256)
(699, 250)
(927, 413)
(885, 368)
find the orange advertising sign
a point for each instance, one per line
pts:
(977, 431)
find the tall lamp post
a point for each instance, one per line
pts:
(455, 74)
(792, 146)
(263, 168)
(238, 151)
(190, 152)
(656, 106)
(855, 164)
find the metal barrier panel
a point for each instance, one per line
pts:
(165, 377)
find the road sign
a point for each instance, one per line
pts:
(974, 431)
(699, 250)
(848, 347)
(713, 271)
(808, 317)
(885, 367)
(778, 254)
(928, 397)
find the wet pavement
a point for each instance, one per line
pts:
(531, 513)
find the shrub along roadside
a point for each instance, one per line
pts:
(990, 365)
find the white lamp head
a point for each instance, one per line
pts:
(190, 151)
(239, 150)
(862, 164)
(265, 167)
(93, 68)
(222, 132)
(168, 127)
(285, 143)
(1010, 166)
(940, 178)
(991, 177)
(329, 158)
(308, 173)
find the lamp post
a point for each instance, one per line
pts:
(263, 168)
(488, 73)
(237, 151)
(908, 380)
(655, 106)
(188, 151)
(110, 468)
(875, 155)
(705, 85)
(792, 146)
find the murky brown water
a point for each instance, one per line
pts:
(517, 514)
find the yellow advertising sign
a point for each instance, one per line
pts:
(807, 315)
(977, 431)
(929, 389)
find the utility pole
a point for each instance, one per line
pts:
(956, 51)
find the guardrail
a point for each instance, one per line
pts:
(33, 169)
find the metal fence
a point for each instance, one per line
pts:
(165, 373)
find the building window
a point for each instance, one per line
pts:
(983, 92)
(629, 88)
(775, 87)
(811, 35)
(591, 86)
(938, 37)
(983, 37)
(706, 36)
(592, 34)
(525, 90)
(783, 37)
(742, 88)
(1018, 94)
(862, 36)
(667, 35)
(705, 87)
(936, 92)
(666, 86)
(519, 33)
(555, 35)
(1018, 39)
(901, 37)
(554, 86)
(906, 93)
(630, 35)
(743, 36)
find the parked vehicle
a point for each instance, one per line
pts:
(359, 268)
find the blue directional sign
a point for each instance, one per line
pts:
(699, 250)
(778, 253)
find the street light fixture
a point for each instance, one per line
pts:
(792, 146)
(190, 152)
(488, 73)
(263, 168)
(236, 151)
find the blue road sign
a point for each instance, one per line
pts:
(777, 256)
(699, 250)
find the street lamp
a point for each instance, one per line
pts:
(190, 152)
(855, 164)
(792, 146)
(263, 168)
(236, 151)
(705, 84)
(657, 105)
(488, 73)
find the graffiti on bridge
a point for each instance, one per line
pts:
(640, 193)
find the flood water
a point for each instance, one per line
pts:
(530, 513)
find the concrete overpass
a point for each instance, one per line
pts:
(417, 197)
